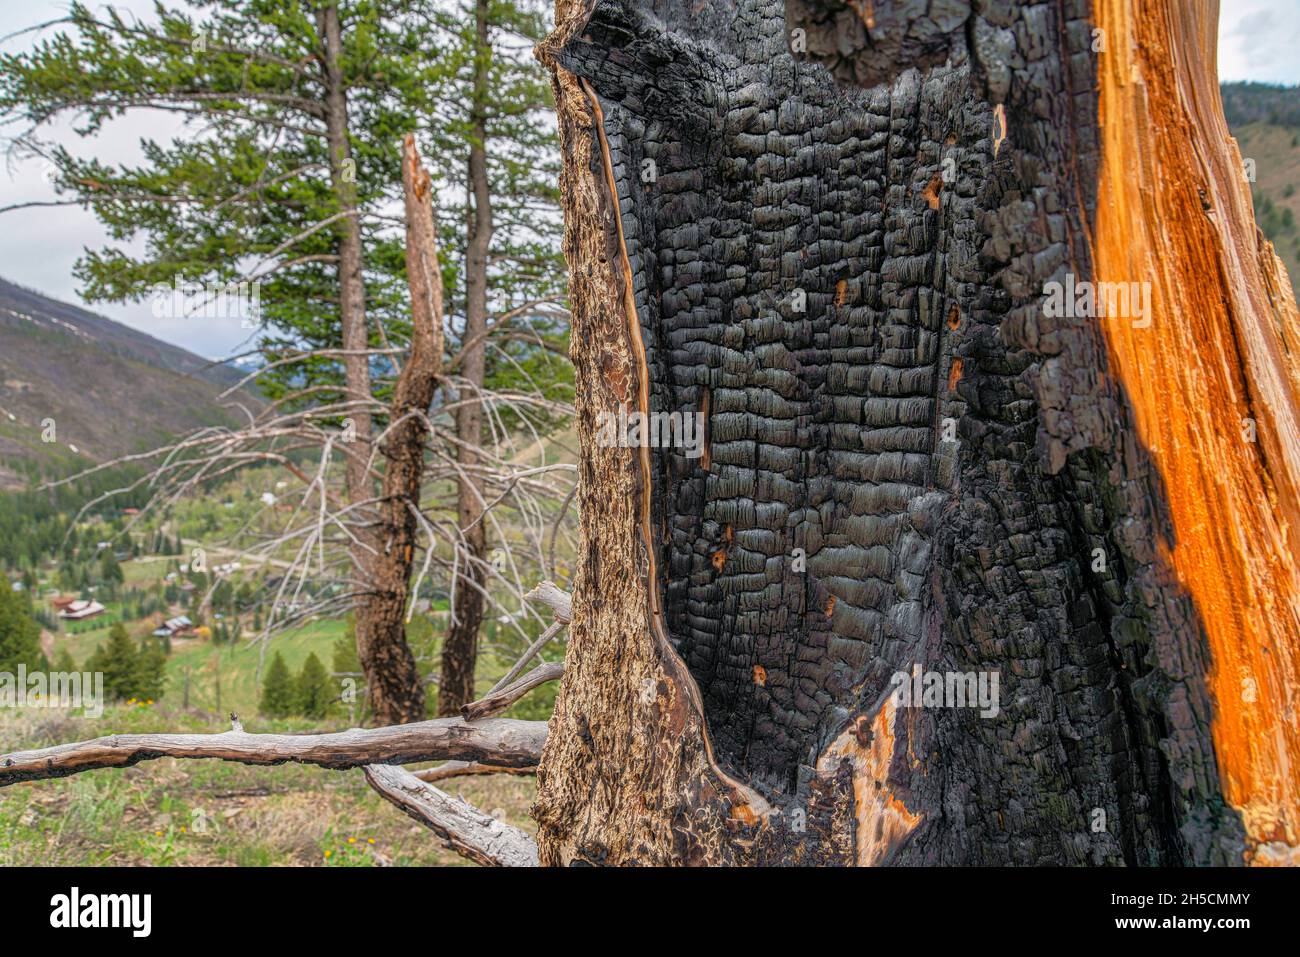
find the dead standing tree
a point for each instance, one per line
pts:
(390, 665)
(913, 459)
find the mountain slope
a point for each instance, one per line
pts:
(1266, 123)
(109, 389)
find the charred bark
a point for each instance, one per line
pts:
(831, 239)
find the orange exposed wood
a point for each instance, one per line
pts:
(1215, 368)
(954, 374)
(883, 820)
(932, 191)
(999, 128)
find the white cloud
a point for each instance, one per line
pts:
(39, 245)
(1258, 39)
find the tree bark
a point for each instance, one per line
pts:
(460, 648)
(352, 291)
(835, 240)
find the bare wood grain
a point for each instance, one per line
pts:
(460, 769)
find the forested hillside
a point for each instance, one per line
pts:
(77, 388)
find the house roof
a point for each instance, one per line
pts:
(173, 625)
(81, 609)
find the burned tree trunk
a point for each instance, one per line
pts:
(393, 681)
(985, 557)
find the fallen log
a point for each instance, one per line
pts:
(502, 741)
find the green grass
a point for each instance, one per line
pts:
(178, 813)
(146, 572)
(236, 666)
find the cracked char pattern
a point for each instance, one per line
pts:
(903, 463)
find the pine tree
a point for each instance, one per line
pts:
(63, 662)
(109, 569)
(148, 682)
(20, 635)
(350, 676)
(278, 693)
(118, 661)
(315, 690)
(496, 149)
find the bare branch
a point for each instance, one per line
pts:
(465, 829)
(461, 769)
(496, 701)
(529, 654)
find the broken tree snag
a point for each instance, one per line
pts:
(393, 682)
(463, 828)
(499, 741)
(922, 462)
(1214, 381)
(553, 597)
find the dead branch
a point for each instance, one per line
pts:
(461, 769)
(494, 702)
(501, 741)
(552, 596)
(529, 654)
(466, 830)
(561, 603)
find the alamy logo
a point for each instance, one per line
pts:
(1098, 300)
(55, 689)
(657, 430)
(134, 911)
(214, 300)
(947, 689)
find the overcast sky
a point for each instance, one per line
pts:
(1258, 40)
